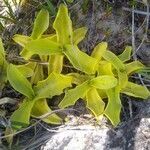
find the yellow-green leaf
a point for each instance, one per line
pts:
(113, 107)
(126, 55)
(21, 117)
(123, 79)
(25, 54)
(79, 35)
(105, 68)
(104, 82)
(81, 60)
(19, 82)
(30, 65)
(41, 47)
(63, 25)
(119, 66)
(41, 108)
(52, 38)
(49, 36)
(112, 58)
(3, 72)
(79, 78)
(41, 24)
(94, 102)
(26, 69)
(38, 74)
(136, 90)
(3, 66)
(2, 51)
(21, 39)
(133, 67)
(55, 63)
(53, 85)
(73, 95)
(102, 93)
(99, 50)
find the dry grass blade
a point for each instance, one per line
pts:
(6, 100)
(10, 11)
(7, 18)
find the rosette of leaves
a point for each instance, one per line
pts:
(35, 104)
(103, 74)
(63, 43)
(112, 66)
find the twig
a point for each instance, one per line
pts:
(130, 108)
(136, 11)
(37, 122)
(144, 37)
(133, 37)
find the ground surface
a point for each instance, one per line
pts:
(116, 23)
(82, 133)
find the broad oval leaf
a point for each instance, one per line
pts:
(55, 63)
(123, 79)
(102, 93)
(52, 37)
(133, 67)
(126, 54)
(25, 70)
(25, 54)
(104, 82)
(21, 117)
(81, 60)
(136, 90)
(41, 47)
(95, 102)
(105, 68)
(63, 25)
(79, 78)
(38, 74)
(41, 109)
(2, 51)
(41, 24)
(21, 39)
(119, 66)
(73, 95)
(3, 66)
(99, 50)
(79, 35)
(112, 58)
(113, 107)
(19, 82)
(53, 85)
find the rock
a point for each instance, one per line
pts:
(88, 137)
(79, 134)
(78, 137)
(85, 137)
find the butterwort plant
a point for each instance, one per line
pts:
(98, 79)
